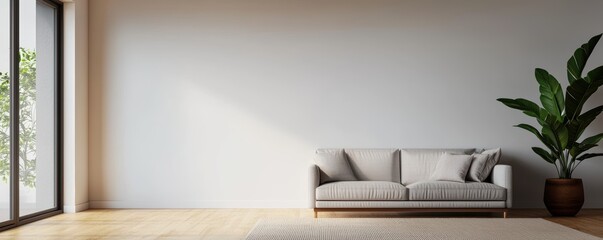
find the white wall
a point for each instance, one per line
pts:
(222, 103)
(75, 101)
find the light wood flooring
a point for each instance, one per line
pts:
(224, 223)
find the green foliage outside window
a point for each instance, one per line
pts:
(27, 120)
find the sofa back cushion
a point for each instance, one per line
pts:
(375, 164)
(418, 164)
(334, 166)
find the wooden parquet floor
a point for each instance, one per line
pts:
(226, 223)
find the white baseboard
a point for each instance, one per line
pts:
(243, 204)
(76, 208)
(198, 204)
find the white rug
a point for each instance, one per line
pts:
(413, 229)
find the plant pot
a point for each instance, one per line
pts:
(563, 197)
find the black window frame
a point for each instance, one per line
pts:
(17, 220)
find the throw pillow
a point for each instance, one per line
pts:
(482, 166)
(495, 152)
(452, 168)
(478, 171)
(334, 166)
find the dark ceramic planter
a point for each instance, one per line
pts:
(563, 197)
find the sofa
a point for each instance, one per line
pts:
(402, 180)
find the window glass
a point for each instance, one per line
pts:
(37, 70)
(4, 111)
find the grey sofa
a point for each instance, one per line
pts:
(398, 180)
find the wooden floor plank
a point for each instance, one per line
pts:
(227, 223)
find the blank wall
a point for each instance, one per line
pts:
(222, 103)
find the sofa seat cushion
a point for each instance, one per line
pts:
(455, 191)
(361, 191)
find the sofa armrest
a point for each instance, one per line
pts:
(502, 175)
(314, 181)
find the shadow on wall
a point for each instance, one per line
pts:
(590, 170)
(528, 177)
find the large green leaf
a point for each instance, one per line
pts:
(563, 136)
(594, 139)
(548, 119)
(551, 93)
(528, 107)
(577, 126)
(589, 155)
(551, 135)
(575, 65)
(544, 155)
(548, 143)
(580, 90)
(586, 145)
(581, 148)
(595, 76)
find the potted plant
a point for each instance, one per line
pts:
(562, 123)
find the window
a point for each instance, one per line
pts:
(30, 110)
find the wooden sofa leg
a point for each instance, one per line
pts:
(505, 214)
(315, 213)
